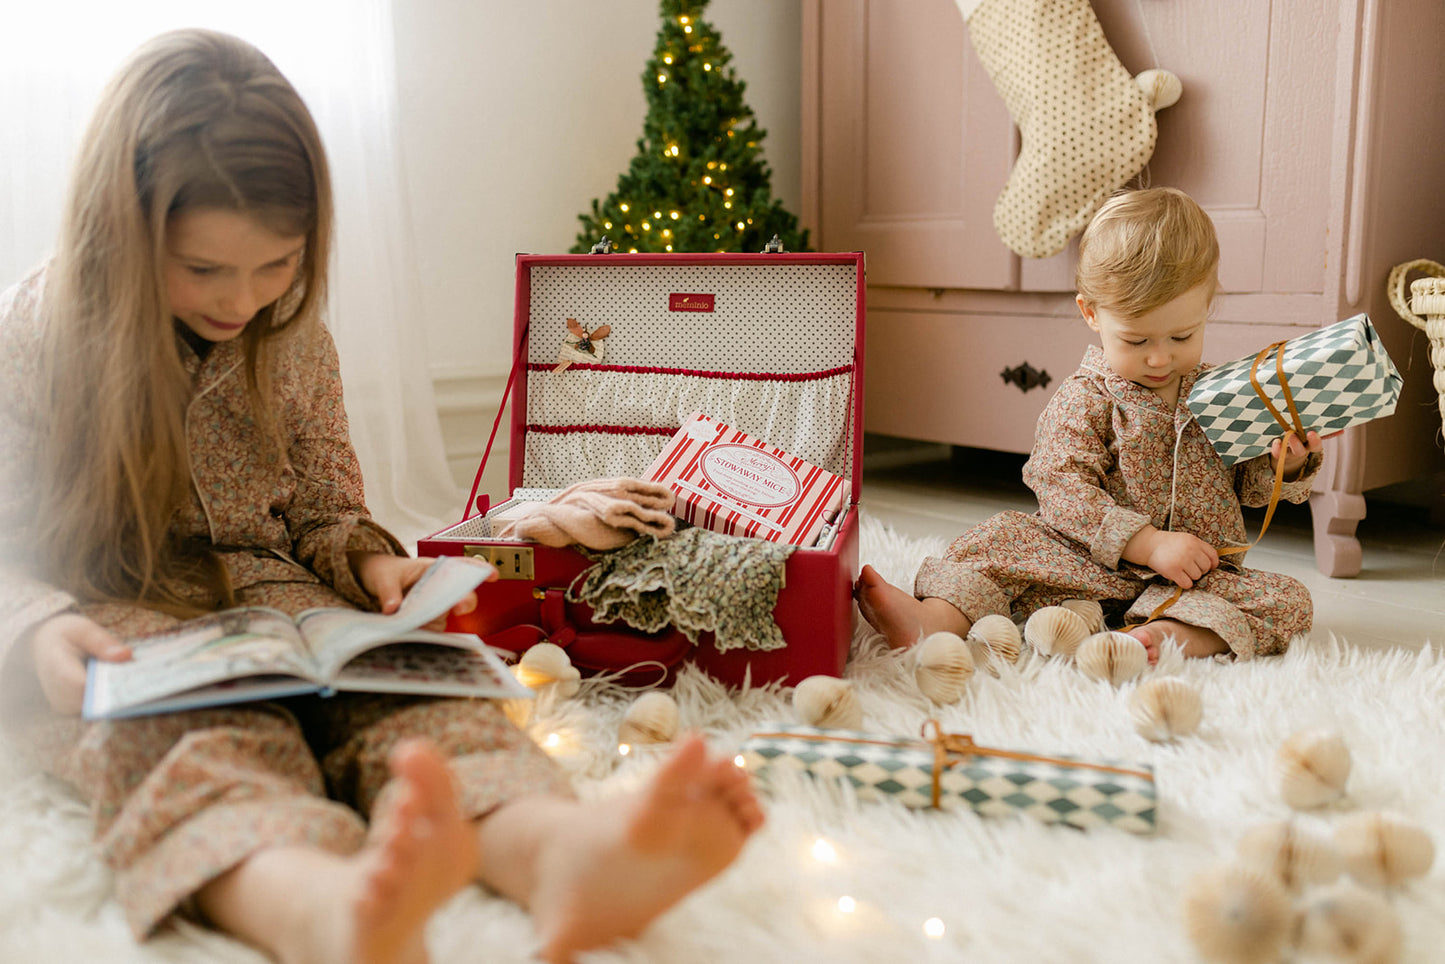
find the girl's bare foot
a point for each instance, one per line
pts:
(902, 618)
(421, 853)
(602, 871)
(1195, 641)
(309, 906)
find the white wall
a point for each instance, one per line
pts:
(514, 116)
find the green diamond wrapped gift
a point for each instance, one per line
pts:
(1324, 380)
(949, 771)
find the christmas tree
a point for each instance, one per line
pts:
(699, 181)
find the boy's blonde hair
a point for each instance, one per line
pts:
(1145, 248)
(193, 119)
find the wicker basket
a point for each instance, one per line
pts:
(1426, 311)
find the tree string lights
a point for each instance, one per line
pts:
(698, 181)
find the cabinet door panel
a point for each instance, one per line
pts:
(915, 142)
(914, 145)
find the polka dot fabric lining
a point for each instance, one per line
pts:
(1087, 127)
(787, 319)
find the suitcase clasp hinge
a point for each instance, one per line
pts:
(774, 246)
(512, 562)
(602, 247)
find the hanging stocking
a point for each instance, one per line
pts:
(1087, 126)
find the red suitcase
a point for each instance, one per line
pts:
(771, 344)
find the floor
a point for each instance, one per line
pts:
(1397, 600)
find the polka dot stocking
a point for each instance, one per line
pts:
(1087, 126)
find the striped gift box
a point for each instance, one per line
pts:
(730, 482)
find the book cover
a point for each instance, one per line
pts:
(730, 482)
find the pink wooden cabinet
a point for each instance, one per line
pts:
(1310, 130)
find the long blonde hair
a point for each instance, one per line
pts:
(1145, 248)
(193, 119)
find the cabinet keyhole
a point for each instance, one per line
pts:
(1026, 377)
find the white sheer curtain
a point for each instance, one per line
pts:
(54, 59)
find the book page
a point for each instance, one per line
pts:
(440, 664)
(334, 635)
(226, 645)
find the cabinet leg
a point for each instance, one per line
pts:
(1335, 515)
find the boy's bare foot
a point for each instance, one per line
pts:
(309, 906)
(1195, 641)
(604, 870)
(902, 618)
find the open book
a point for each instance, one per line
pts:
(257, 653)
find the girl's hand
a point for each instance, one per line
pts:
(388, 577)
(59, 648)
(1297, 452)
(1180, 557)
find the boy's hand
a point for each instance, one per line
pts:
(388, 578)
(1177, 556)
(59, 648)
(1297, 451)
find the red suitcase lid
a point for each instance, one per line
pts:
(771, 344)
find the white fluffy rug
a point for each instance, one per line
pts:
(1004, 889)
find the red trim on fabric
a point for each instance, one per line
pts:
(698, 373)
(600, 429)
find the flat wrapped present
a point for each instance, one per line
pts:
(730, 482)
(948, 771)
(1326, 380)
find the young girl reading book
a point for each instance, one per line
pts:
(174, 442)
(1129, 488)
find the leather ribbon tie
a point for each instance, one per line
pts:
(1293, 426)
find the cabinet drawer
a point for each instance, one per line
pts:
(940, 375)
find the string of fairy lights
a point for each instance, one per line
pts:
(715, 178)
(819, 859)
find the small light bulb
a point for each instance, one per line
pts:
(669, 247)
(607, 225)
(707, 66)
(687, 29)
(823, 851)
(552, 740)
(676, 215)
(647, 225)
(722, 166)
(662, 79)
(728, 204)
(933, 927)
(707, 179)
(740, 762)
(623, 749)
(847, 904)
(623, 206)
(729, 192)
(682, 20)
(741, 226)
(657, 214)
(667, 59)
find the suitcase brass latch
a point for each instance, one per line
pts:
(512, 562)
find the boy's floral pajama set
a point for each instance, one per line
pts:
(180, 798)
(1110, 457)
